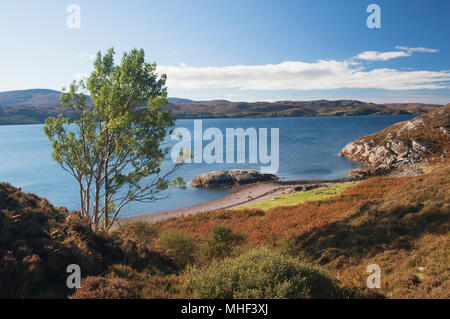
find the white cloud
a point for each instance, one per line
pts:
(183, 64)
(297, 75)
(417, 49)
(384, 56)
(381, 56)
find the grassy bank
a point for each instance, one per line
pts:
(300, 197)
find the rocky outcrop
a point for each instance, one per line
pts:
(406, 144)
(225, 178)
(394, 153)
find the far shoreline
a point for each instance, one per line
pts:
(247, 117)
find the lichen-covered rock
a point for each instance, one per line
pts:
(230, 177)
(404, 144)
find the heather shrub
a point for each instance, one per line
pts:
(259, 273)
(142, 258)
(122, 271)
(106, 288)
(179, 246)
(221, 240)
(139, 231)
(148, 286)
(157, 287)
(285, 244)
(37, 243)
(124, 282)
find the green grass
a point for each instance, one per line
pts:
(300, 197)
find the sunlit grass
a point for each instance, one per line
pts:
(300, 197)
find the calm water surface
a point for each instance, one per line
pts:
(308, 148)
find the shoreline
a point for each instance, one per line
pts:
(239, 195)
(5, 123)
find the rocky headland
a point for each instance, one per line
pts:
(405, 145)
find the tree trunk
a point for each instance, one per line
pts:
(106, 202)
(96, 204)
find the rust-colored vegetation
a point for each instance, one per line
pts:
(39, 241)
(401, 224)
(280, 221)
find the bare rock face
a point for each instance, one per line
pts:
(225, 178)
(394, 153)
(404, 144)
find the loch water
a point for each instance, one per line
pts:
(307, 150)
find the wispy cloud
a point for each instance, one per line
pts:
(297, 75)
(417, 49)
(381, 56)
(384, 56)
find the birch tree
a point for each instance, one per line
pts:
(115, 150)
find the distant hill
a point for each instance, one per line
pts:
(222, 108)
(46, 98)
(35, 105)
(178, 100)
(33, 97)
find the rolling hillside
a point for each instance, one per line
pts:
(34, 106)
(222, 108)
(33, 98)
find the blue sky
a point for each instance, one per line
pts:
(240, 50)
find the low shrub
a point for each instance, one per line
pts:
(221, 240)
(139, 231)
(179, 246)
(259, 273)
(124, 282)
(106, 288)
(142, 258)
